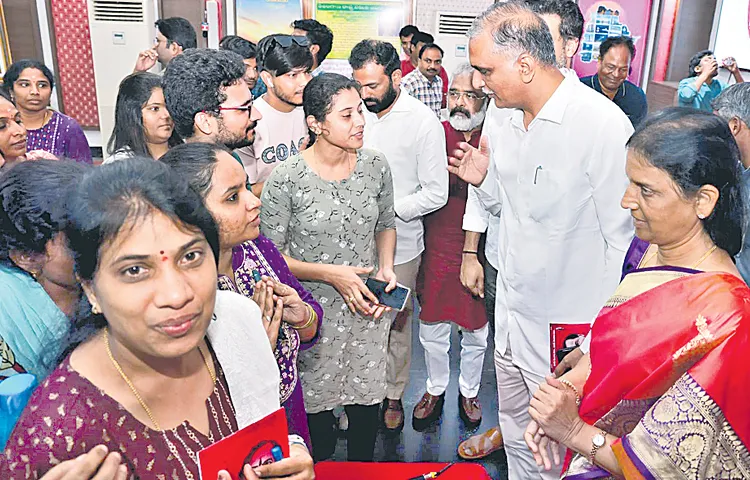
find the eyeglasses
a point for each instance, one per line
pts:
(241, 108)
(456, 95)
(285, 41)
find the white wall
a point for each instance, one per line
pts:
(426, 10)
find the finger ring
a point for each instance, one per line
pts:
(351, 299)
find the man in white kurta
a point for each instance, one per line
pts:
(559, 176)
(413, 141)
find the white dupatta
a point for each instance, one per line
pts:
(242, 348)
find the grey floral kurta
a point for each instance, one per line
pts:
(335, 222)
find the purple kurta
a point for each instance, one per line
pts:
(262, 255)
(62, 137)
(68, 415)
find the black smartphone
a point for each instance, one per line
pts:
(396, 298)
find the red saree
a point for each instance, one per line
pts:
(670, 377)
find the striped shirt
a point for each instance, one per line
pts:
(429, 93)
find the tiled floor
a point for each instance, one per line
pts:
(438, 443)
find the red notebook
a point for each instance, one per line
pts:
(565, 337)
(251, 445)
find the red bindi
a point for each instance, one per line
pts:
(164, 258)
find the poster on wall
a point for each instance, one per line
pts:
(733, 32)
(353, 21)
(604, 19)
(258, 18)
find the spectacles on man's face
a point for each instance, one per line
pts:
(456, 95)
(241, 108)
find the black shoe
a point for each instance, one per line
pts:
(427, 411)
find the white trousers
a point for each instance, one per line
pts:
(515, 387)
(436, 341)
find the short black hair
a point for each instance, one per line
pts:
(696, 148)
(422, 37)
(695, 60)
(379, 52)
(6, 95)
(407, 30)
(113, 195)
(178, 30)
(319, 93)
(279, 60)
(195, 162)
(31, 213)
(571, 17)
(612, 42)
(428, 46)
(14, 71)
(244, 48)
(132, 96)
(318, 34)
(192, 83)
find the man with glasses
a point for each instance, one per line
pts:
(444, 300)
(425, 83)
(173, 36)
(413, 141)
(284, 62)
(615, 57)
(208, 98)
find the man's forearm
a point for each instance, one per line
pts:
(471, 241)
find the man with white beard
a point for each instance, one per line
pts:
(444, 300)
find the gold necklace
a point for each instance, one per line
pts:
(132, 387)
(701, 260)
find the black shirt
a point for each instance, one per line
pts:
(629, 97)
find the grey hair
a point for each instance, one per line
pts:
(463, 69)
(517, 29)
(734, 102)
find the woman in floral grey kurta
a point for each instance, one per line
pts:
(319, 221)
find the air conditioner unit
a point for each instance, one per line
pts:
(451, 31)
(120, 30)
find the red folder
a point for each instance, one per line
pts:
(562, 336)
(251, 445)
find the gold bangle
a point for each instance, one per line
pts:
(570, 385)
(313, 319)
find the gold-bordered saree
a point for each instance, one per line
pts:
(670, 377)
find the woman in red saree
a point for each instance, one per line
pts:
(664, 390)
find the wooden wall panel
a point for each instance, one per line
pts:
(23, 29)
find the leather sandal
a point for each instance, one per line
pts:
(482, 445)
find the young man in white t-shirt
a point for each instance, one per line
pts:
(284, 62)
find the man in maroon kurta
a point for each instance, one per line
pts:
(443, 299)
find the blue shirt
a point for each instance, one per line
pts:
(629, 97)
(688, 96)
(743, 258)
(259, 89)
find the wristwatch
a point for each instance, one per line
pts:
(599, 440)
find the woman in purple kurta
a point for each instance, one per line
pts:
(221, 180)
(62, 137)
(30, 83)
(262, 255)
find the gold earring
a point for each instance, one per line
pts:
(95, 309)
(34, 275)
